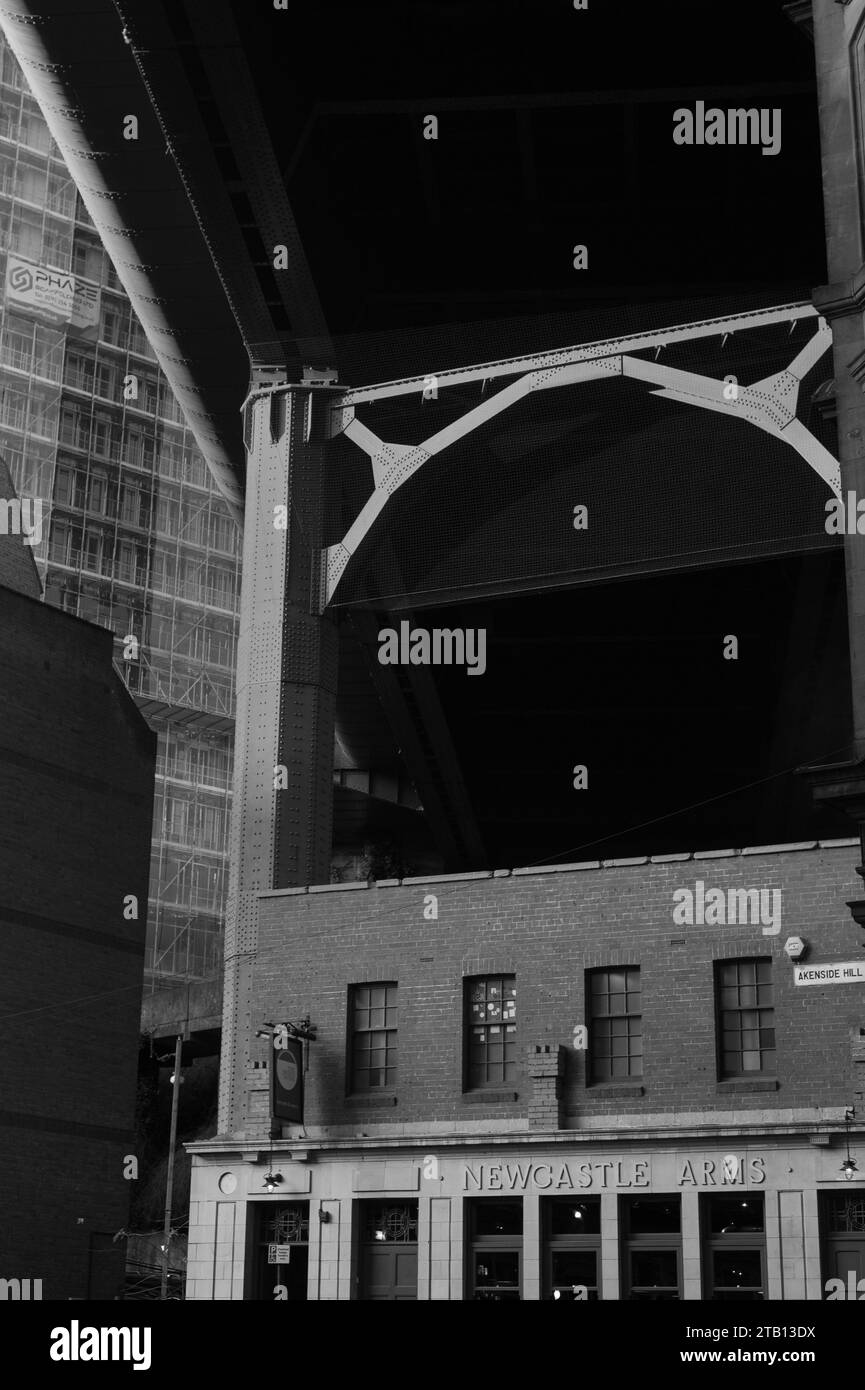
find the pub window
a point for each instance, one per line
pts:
(491, 1025)
(746, 1017)
(734, 1258)
(495, 1262)
(572, 1248)
(651, 1248)
(616, 1023)
(373, 1023)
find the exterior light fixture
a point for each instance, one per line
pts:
(323, 1216)
(849, 1167)
(272, 1181)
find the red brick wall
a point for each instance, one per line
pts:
(548, 929)
(76, 792)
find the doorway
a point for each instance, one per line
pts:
(282, 1252)
(388, 1251)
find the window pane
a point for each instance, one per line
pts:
(737, 1269)
(495, 1216)
(575, 1267)
(491, 1000)
(373, 1045)
(568, 1217)
(497, 1270)
(653, 1215)
(654, 1268)
(730, 1214)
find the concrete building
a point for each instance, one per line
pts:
(76, 788)
(604, 1075)
(134, 534)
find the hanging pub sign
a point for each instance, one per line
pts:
(286, 1079)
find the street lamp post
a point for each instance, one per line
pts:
(169, 1182)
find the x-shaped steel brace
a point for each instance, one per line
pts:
(770, 404)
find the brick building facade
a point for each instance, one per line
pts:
(548, 1082)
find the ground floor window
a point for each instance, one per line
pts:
(282, 1252)
(572, 1248)
(495, 1226)
(734, 1248)
(651, 1243)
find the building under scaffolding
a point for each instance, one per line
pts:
(135, 536)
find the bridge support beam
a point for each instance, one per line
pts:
(286, 695)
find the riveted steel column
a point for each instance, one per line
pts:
(841, 88)
(286, 694)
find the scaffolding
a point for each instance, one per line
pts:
(135, 536)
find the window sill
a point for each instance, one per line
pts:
(371, 1102)
(746, 1083)
(489, 1097)
(615, 1090)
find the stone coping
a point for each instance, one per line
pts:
(533, 870)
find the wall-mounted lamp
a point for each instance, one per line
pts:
(323, 1216)
(849, 1167)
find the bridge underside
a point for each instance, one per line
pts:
(698, 460)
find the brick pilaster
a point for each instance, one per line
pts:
(546, 1066)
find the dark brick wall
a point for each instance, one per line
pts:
(549, 929)
(76, 792)
(17, 567)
